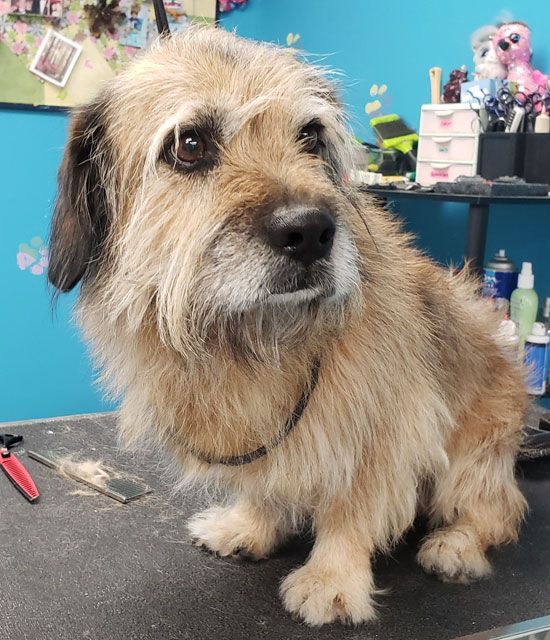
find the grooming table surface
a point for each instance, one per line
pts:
(79, 566)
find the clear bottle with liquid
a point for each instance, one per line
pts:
(536, 359)
(545, 316)
(545, 319)
(524, 303)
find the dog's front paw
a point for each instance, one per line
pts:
(319, 596)
(233, 531)
(454, 555)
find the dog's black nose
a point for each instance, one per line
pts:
(303, 234)
(504, 44)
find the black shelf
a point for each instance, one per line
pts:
(478, 214)
(391, 194)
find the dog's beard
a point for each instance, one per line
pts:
(261, 334)
(251, 304)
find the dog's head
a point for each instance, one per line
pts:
(205, 188)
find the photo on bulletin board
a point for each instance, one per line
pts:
(49, 57)
(55, 58)
(50, 8)
(135, 30)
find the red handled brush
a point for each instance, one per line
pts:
(14, 469)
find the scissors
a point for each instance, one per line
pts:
(505, 100)
(497, 112)
(532, 104)
(480, 110)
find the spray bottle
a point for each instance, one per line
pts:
(524, 303)
(545, 316)
(535, 356)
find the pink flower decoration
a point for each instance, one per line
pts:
(4, 8)
(88, 63)
(43, 262)
(20, 27)
(130, 51)
(18, 48)
(37, 270)
(109, 53)
(72, 17)
(38, 41)
(24, 260)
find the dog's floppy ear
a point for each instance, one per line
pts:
(81, 215)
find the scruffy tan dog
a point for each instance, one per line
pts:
(277, 329)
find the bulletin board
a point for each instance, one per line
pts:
(50, 57)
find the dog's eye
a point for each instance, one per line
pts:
(189, 148)
(310, 138)
(515, 38)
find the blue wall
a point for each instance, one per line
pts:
(43, 367)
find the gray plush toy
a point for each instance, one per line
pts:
(486, 62)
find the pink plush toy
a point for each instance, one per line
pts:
(512, 42)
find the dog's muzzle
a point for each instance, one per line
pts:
(302, 234)
(304, 237)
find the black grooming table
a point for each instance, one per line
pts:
(79, 566)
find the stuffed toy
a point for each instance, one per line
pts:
(512, 42)
(451, 90)
(486, 62)
(104, 16)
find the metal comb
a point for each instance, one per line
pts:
(122, 489)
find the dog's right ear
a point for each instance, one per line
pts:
(81, 216)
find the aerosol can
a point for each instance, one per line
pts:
(500, 276)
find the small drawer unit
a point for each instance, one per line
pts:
(459, 148)
(445, 119)
(428, 172)
(448, 144)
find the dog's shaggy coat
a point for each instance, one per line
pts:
(209, 335)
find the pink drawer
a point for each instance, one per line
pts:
(448, 119)
(428, 173)
(440, 148)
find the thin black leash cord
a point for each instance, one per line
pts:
(297, 412)
(161, 18)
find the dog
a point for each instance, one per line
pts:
(276, 329)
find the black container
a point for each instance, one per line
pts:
(537, 157)
(501, 154)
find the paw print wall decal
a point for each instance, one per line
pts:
(33, 256)
(380, 102)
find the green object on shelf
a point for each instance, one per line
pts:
(394, 133)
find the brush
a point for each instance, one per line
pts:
(393, 133)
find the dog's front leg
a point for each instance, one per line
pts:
(242, 529)
(336, 582)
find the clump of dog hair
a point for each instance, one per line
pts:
(88, 470)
